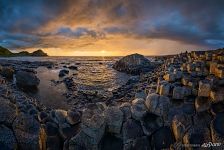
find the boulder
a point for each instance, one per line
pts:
(133, 64)
(63, 72)
(150, 123)
(126, 109)
(141, 143)
(202, 104)
(178, 93)
(217, 95)
(7, 72)
(73, 117)
(217, 126)
(28, 132)
(114, 119)
(204, 88)
(164, 89)
(73, 67)
(180, 125)
(92, 128)
(7, 139)
(170, 77)
(67, 131)
(197, 136)
(217, 108)
(59, 116)
(7, 112)
(163, 138)
(27, 79)
(138, 109)
(131, 130)
(158, 105)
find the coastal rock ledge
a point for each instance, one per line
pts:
(133, 64)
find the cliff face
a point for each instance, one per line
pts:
(5, 52)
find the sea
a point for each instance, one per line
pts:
(93, 74)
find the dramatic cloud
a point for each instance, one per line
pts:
(119, 26)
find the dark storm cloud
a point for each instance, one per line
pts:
(198, 22)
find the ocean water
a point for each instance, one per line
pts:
(93, 74)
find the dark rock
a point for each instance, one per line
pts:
(141, 143)
(7, 139)
(197, 136)
(138, 109)
(26, 79)
(73, 67)
(63, 72)
(28, 132)
(73, 117)
(150, 123)
(217, 126)
(131, 130)
(163, 138)
(180, 125)
(114, 119)
(7, 112)
(7, 72)
(66, 131)
(110, 142)
(133, 64)
(51, 129)
(217, 108)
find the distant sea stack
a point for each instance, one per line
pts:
(133, 64)
(7, 53)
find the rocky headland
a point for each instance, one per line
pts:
(4, 52)
(176, 103)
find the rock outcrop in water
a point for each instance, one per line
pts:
(133, 64)
(26, 79)
(177, 104)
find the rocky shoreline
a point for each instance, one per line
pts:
(177, 105)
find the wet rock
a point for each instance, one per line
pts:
(66, 131)
(217, 126)
(204, 88)
(178, 93)
(126, 109)
(163, 138)
(63, 72)
(59, 116)
(7, 112)
(217, 108)
(7, 139)
(133, 64)
(217, 95)
(110, 142)
(131, 130)
(7, 72)
(202, 104)
(51, 129)
(158, 105)
(92, 126)
(73, 117)
(26, 79)
(140, 94)
(53, 143)
(114, 119)
(42, 116)
(170, 77)
(180, 125)
(138, 109)
(196, 136)
(73, 67)
(150, 123)
(27, 131)
(164, 89)
(141, 143)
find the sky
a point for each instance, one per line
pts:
(111, 27)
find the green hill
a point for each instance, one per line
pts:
(4, 52)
